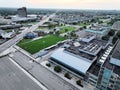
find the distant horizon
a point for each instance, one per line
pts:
(63, 4)
(62, 8)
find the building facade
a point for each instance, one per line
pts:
(22, 12)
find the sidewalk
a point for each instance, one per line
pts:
(72, 81)
(24, 52)
(6, 52)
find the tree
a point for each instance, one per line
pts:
(48, 64)
(57, 69)
(93, 20)
(118, 34)
(67, 75)
(66, 30)
(50, 26)
(50, 19)
(57, 33)
(84, 27)
(100, 22)
(114, 39)
(111, 33)
(51, 32)
(106, 38)
(79, 83)
(54, 29)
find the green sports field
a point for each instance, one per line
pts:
(84, 24)
(37, 45)
(68, 28)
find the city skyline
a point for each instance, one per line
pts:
(63, 4)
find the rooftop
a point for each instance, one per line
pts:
(88, 38)
(94, 69)
(91, 48)
(71, 60)
(116, 52)
(117, 70)
(2, 31)
(97, 29)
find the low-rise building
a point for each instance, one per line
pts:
(8, 35)
(81, 58)
(31, 35)
(116, 25)
(10, 26)
(2, 32)
(98, 31)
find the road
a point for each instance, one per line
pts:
(16, 39)
(13, 78)
(41, 74)
(49, 79)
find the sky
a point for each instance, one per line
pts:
(63, 4)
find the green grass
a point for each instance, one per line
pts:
(42, 28)
(9, 30)
(84, 24)
(24, 41)
(69, 29)
(37, 45)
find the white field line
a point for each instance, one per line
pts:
(30, 76)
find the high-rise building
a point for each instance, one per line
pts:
(22, 12)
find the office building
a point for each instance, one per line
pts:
(22, 12)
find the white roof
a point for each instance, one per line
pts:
(101, 60)
(71, 60)
(76, 44)
(104, 58)
(104, 55)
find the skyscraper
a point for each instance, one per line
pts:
(22, 12)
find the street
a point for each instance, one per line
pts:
(12, 78)
(49, 79)
(19, 37)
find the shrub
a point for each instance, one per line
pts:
(114, 39)
(57, 69)
(106, 37)
(48, 64)
(79, 83)
(67, 75)
(118, 34)
(111, 33)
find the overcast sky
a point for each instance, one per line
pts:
(68, 4)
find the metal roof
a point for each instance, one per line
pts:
(71, 60)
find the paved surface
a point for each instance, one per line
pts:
(49, 79)
(12, 78)
(16, 39)
(81, 33)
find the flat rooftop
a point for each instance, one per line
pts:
(94, 69)
(97, 29)
(116, 52)
(72, 61)
(88, 36)
(75, 51)
(12, 78)
(91, 48)
(110, 66)
(117, 70)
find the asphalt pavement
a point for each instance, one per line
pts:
(47, 78)
(19, 37)
(12, 78)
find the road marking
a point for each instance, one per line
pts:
(30, 76)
